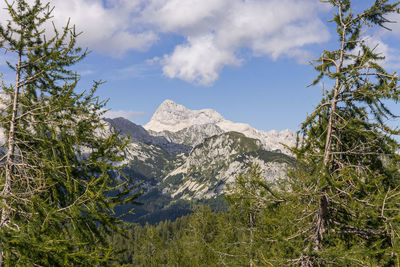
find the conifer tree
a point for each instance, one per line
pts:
(247, 205)
(58, 177)
(349, 180)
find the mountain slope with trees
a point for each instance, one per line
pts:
(173, 184)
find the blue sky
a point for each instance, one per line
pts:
(246, 59)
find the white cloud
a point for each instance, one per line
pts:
(199, 61)
(107, 30)
(104, 29)
(186, 16)
(214, 31)
(127, 114)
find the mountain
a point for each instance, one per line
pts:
(215, 163)
(208, 153)
(171, 118)
(192, 135)
(139, 134)
(172, 184)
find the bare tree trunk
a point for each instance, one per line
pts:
(321, 224)
(323, 216)
(9, 165)
(251, 220)
(328, 142)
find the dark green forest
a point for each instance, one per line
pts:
(62, 192)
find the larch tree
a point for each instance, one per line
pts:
(348, 180)
(59, 174)
(340, 204)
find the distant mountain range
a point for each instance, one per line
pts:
(185, 156)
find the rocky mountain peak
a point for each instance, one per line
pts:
(173, 117)
(171, 107)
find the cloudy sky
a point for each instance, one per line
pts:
(247, 59)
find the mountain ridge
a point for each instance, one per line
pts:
(139, 134)
(170, 118)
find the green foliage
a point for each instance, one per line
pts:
(174, 179)
(268, 156)
(58, 176)
(239, 237)
(241, 142)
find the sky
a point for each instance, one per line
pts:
(247, 59)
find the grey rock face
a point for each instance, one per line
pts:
(192, 135)
(173, 117)
(139, 134)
